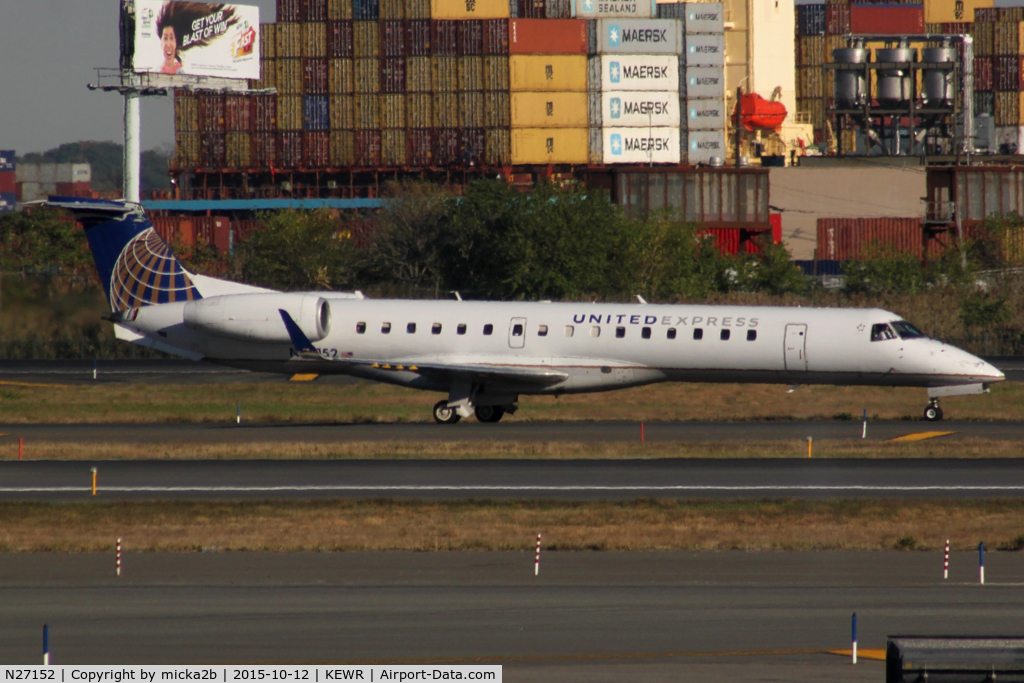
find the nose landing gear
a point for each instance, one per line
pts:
(933, 413)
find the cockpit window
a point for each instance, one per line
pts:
(881, 332)
(906, 330)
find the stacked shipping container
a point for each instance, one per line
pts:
(999, 80)
(441, 83)
(39, 181)
(8, 182)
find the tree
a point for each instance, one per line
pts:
(44, 241)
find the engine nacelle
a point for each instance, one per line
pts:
(257, 317)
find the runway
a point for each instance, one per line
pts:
(511, 430)
(588, 616)
(511, 479)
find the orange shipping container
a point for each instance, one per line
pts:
(547, 36)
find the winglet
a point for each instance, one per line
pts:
(299, 340)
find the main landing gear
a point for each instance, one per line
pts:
(446, 415)
(933, 413)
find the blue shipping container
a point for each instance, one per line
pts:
(820, 267)
(366, 10)
(7, 160)
(8, 202)
(811, 20)
(316, 114)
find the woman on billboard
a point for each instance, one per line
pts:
(176, 27)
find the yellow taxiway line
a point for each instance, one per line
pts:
(877, 654)
(303, 377)
(921, 436)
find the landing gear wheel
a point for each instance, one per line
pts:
(489, 413)
(444, 415)
(933, 413)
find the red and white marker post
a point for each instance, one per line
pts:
(945, 562)
(119, 557)
(536, 560)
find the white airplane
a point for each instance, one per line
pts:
(485, 355)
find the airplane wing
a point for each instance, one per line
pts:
(476, 372)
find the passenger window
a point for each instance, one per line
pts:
(882, 332)
(751, 335)
(517, 330)
(360, 328)
(435, 328)
(620, 332)
(542, 331)
(595, 331)
(569, 329)
(385, 328)
(488, 329)
(671, 333)
(461, 329)
(724, 335)
(411, 328)
(645, 333)
(698, 333)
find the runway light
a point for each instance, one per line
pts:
(945, 562)
(853, 650)
(981, 563)
(864, 423)
(809, 442)
(119, 557)
(94, 481)
(536, 561)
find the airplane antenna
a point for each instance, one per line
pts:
(458, 297)
(640, 299)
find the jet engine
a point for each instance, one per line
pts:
(257, 317)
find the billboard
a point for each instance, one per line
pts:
(176, 37)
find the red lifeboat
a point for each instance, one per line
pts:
(757, 113)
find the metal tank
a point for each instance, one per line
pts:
(895, 85)
(937, 86)
(850, 88)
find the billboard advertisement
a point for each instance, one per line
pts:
(176, 37)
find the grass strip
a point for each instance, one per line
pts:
(510, 525)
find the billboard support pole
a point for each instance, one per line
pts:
(132, 155)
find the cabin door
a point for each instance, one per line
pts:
(796, 347)
(517, 333)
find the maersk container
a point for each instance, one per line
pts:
(549, 110)
(549, 145)
(631, 109)
(703, 82)
(634, 72)
(316, 113)
(705, 114)
(546, 73)
(705, 50)
(640, 145)
(8, 202)
(704, 17)
(639, 36)
(701, 145)
(597, 9)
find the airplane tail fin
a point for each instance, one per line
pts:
(135, 265)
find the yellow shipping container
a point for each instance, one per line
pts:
(268, 41)
(268, 75)
(392, 111)
(289, 40)
(471, 73)
(417, 9)
(446, 73)
(367, 111)
(418, 74)
(496, 73)
(339, 9)
(340, 76)
(549, 110)
(984, 38)
(392, 9)
(342, 116)
(366, 38)
(289, 113)
(496, 109)
(392, 148)
(548, 73)
(469, 9)
(238, 150)
(498, 149)
(367, 75)
(314, 39)
(446, 110)
(952, 11)
(186, 150)
(186, 113)
(289, 76)
(1007, 38)
(419, 110)
(471, 109)
(342, 150)
(812, 50)
(549, 145)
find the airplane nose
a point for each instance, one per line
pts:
(981, 370)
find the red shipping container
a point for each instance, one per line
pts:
(837, 20)
(887, 19)
(496, 37)
(289, 149)
(8, 182)
(316, 149)
(289, 10)
(532, 9)
(444, 39)
(986, 15)
(263, 113)
(470, 37)
(263, 147)
(314, 76)
(211, 112)
(314, 10)
(472, 142)
(212, 150)
(368, 148)
(776, 220)
(984, 78)
(417, 38)
(726, 240)
(236, 113)
(420, 147)
(392, 38)
(340, 43)
(1006, 73)
(71, 189)
(448, 147)
(392, 75)
(222, 234)
(844, 239)
(957, 29)
(547, 36)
